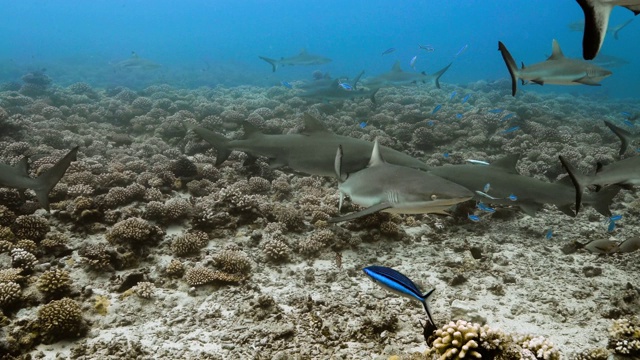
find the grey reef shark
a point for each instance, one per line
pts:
(557, 70)
(623, 173)
(302, 59)
(339, 90)
(396, 189)
(530, 193)
(310, 152)
(397, 77)
(615, 30)
(596, 22)
(136, 63)
(17, 177)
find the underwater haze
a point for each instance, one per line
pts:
(205, 43)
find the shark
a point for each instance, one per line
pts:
(396, 189)
(397, 77)
(615, 30)
(529, 194)
(623, 173)
(626, 137)
(302, 59)
(557, 69)
(338, 90)
(596, 22)
(17, 177)
(137, 63)
(310, 152)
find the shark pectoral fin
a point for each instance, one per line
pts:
(622, 134)
(273, 62)
(538, 81)
(567, 210)
(530, 208)
(587, 80)
(368, 211)
(313, 125)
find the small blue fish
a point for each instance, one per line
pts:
(486, 208)
(286, 84)
(477, 162)
(345, 86)
(398, 283)
(507, 117)
(612, 226)
(435, 109)
(363, 124)
(427, 48)
(474, 218)
(430, 123)
(446, 155)
(486, 187)
(628, 123)
(512, 197)
(388, 51)
(458, 116)
(453, 94)
(549, 234)
(625, 113)
(615, 218)
(462, 49)
(466, 98)
(511, 129)
(496, 111)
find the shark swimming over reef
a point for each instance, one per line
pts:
(396, 189)
(302, 59)
(529, 193)
(626, 137)
(557, 69)
(136, 63)
(615, 30)
(596, 22)
(397, 77)
(17, 177)
(625, 173)
(339, 90)
(311, 152)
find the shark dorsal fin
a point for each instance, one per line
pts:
(250, 129)
(376, 157)
(396, 67)
(556, 52)
(23, 166)
(507, 163)
(313, 125)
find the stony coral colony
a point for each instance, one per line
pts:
(145, 211)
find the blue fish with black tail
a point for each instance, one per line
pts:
(396, 282)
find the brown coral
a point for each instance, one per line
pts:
(61, 319)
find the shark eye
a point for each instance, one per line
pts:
(434, 196)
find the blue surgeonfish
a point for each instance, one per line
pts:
(396, 282)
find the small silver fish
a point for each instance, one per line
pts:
(477, 162)
(412, 63)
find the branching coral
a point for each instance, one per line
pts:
(201, 276)
(134, 232)
(61, 319)
(464, 339)
(54, 282)
(624, 336)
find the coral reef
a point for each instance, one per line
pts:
(624, 336)
(54, 283)
(61, 319)
(462, 339)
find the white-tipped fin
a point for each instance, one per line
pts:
(556, 52)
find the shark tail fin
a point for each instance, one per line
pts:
(425, 304)
(439, 73)
(219, 142)
(596, 21)
(624, 135)
(373, 96)
(511, 65)
(604, 198)
(50, 178)
(577, 179)
(620, 27)
(273, 62)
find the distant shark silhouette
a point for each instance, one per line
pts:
(302, 59)
(397, 77)
(335, 90)
(137, 63)
(596, 22)
(557, 69)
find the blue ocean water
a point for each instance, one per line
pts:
(205, 43)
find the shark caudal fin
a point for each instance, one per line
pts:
(620, 27)
(579, 180)
(624, 135)
(50, 178)
(273, 62)
(219, 142)
(604, 198)
(596, 21)
(511, 65)
(438, 74)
